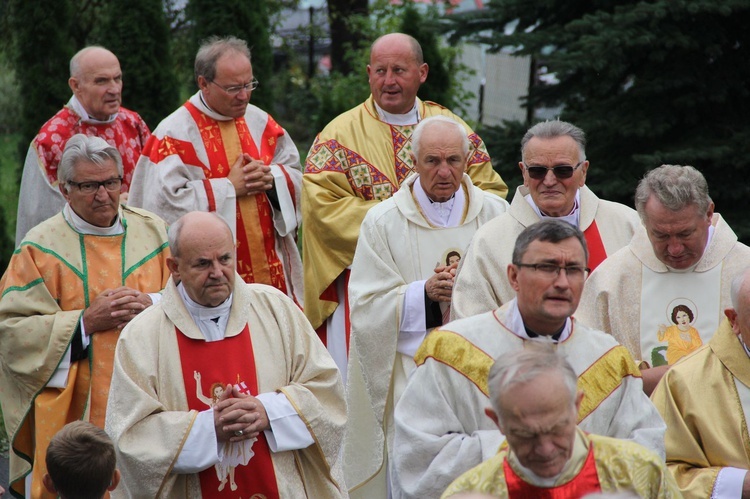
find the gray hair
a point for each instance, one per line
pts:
(416, 136)
(737, 282)
(515, 368)
(675, 187)
(81, 147)
(547, 230)
(416, 48)
(212, 49)
(75, 61)
(554, 129)
(173, 233)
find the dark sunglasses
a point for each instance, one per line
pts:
(560, 171)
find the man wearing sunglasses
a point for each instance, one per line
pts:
(683, 258)
(554, 166)
(219, 153)
(441, 429)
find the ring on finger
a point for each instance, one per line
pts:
(239, 433)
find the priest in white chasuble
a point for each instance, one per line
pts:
(664, 295)
(400, 288)
(705, 401)
(440, 429)
(224, 389)
(554, 168)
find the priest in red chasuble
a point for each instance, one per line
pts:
(554, 167)
(224, 389)
(219, 153)
(535, 402)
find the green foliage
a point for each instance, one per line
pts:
(651, 82)
(245, 19)
(41, 51)
(10, 97)
(137, 32)
(10, 168)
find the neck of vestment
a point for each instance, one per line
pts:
(578, 478)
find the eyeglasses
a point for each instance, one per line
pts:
(551, 271)
(560, 171)
(247, 87)
(112, 185)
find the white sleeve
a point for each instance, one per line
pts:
(201, 448)
(285, 219)
(413, 327)
(60, 378)
(728, 483)
(155, 298)
(288, 431)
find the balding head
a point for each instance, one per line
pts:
(203, 257)
(96, 81)
(739, 314)
(395, 72)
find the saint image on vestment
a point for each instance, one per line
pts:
(681, 337)
(235, 453)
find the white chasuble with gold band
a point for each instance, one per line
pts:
(679, 312)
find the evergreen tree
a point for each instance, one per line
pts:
(42, 50)
(650, 82)
(437, 88)
(345, 35)
(245, 19)
(136, 31)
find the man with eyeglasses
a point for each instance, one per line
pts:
(664, 294)
(94, 109)
(219, 153)
(441, 429)
(75, 281)
(358, 160)
(554, 166)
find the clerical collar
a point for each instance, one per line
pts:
(692, 267)
(83, 227)
(514, 322)
(409, 118)
(447, 214)
(555, 337)
(77, 108)
(212, 321)
(198, 101)
(572, 218)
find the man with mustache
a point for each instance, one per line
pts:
(359, 159)
(683, 254)
(554, 167)
(275, 426)
(535, 402)
(94, 110)
(75, 281)
(441, 431)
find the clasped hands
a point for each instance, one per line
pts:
(250, 176)
(439, 287)
(114, 308)
(238, 416)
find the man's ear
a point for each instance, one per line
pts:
(172, 266)
(732, 316)
(48, 484)
(115, 480)
(492, 415)
(513, 276)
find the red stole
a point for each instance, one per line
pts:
(586, 482)
(597, 253)
(230, 360)
(257, 260)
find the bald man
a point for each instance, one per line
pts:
(359, 159)
(93, 110)
(241, 395)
